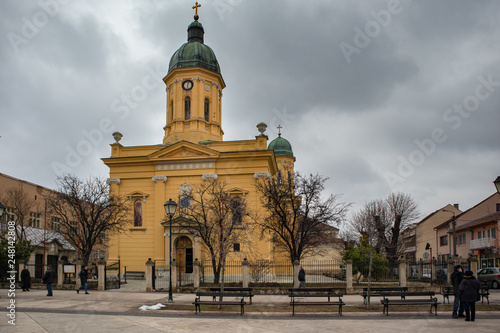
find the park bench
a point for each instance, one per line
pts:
(425, 298)
(247, 291)
(484, 292)
(377, 291)
(447, 292)
(315, 293)
(227, 299)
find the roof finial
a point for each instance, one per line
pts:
(195, 7)
(279, 130)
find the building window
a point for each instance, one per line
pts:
(35, 220)
(207, 110)
(461, 240)
(498, 207)
(480, 234)
(73, 230)
(279, 176)
(138, 213)
(491, 233)
(236, 247)
(11, 216)
(236, 217)
(187, 108)
(443, 240)
(55, 223)
(171, 112)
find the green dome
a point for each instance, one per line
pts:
(281, 146)
(194, 53)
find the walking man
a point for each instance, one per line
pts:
(48, 278)
(302, 277)
(84, 274)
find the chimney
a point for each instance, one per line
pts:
(456, 206)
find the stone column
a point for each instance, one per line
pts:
(348, 276)
(78, 269)
(296, 265)
(101, 274)
(473, 265)
(149, 275)
(20, 268)
(196, 273)
(402, 272)
(174, 275)
(60, 273)
(244, 272)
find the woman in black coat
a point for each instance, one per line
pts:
(469, 294)
(25, 279)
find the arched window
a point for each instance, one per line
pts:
(138, 213)
(207, 110)
(236, 207)
(171, 111)
(187, 108)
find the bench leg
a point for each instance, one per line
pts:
(293, 310)
(340, 310)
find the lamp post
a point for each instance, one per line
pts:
(497, 184)
(428, 247)
(170, 207)
(454, 226)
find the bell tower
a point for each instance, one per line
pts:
(194, 87)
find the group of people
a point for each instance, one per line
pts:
(466, 290)
(49, 277)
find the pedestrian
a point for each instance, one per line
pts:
(48, 278)
(25, 279)
(302, 277)
(84, 274)
(469, 295)
(456, 277)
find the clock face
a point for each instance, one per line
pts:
(187, 85)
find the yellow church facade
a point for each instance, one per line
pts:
(192, 152)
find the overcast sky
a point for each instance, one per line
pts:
(379, 96)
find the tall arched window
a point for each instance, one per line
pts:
(236, 208)
(171, 111)
(138, 213)
(207, 110)
(187, 108)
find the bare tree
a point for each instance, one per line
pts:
(297, 212)
(22, 204)
(220, 219)
(87, 211)
(384, 220)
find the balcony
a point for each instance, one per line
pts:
(482, 243)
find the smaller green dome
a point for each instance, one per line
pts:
(281, 146)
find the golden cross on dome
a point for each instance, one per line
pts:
(195, 7)
(279, 130)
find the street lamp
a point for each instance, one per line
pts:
(454, 225)
(170, 207)
(497, 184)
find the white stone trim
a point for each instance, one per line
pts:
(113, 180)
(157, 178)
(209, 175)
(266, 174)
(181, 166)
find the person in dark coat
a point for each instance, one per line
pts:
(48, 278)
(469, 295)
(456, 277)
(302, 278)
(84, 274)
(25, 279)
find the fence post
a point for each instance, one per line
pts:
(433, 269)
(296, 265)
(244, 272)
(78, 269)
(196, 273)
(420, 269)
(149, 275)
(101, 274)
(348, 276)
(473, 264)
(174, 275)
(60, 273)
(402, 272)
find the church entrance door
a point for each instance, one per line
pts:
(184, 258)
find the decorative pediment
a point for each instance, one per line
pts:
(184, 150)
(237, 190)
(137, 195)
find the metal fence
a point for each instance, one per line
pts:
(112, 274)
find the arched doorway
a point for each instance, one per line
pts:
(184, 257)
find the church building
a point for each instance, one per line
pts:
(192, 151)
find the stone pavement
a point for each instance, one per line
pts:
(118, 311)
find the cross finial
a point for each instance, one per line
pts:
(279, 130)
(195, 7)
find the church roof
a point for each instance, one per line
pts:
(281, 146)
(194, 53)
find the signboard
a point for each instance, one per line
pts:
(426, 255)
(69, 269)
